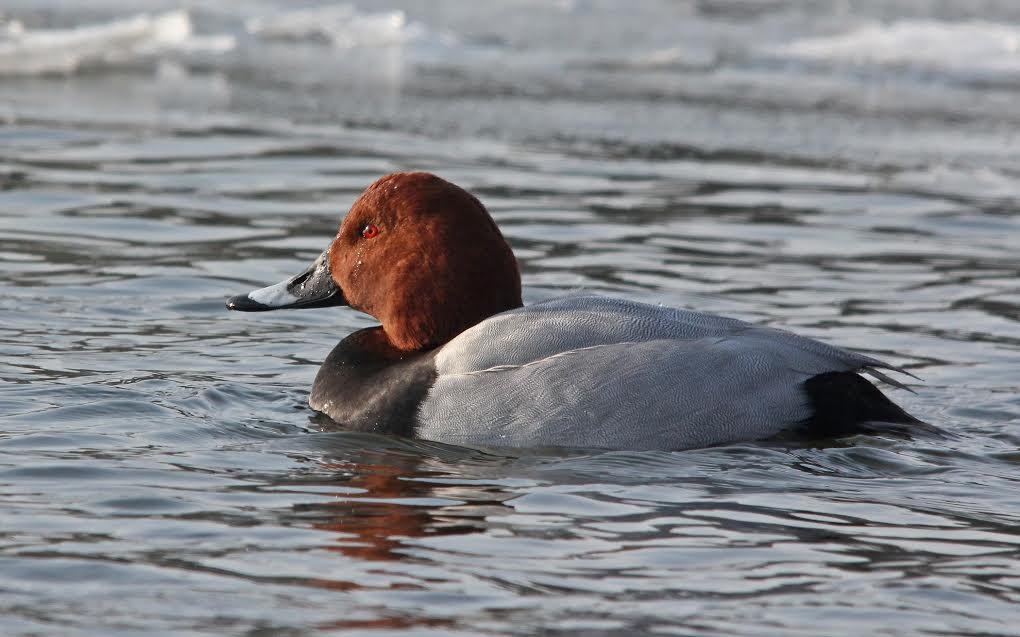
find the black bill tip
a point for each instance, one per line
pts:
(243, 303)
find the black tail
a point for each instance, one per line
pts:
(844, 404)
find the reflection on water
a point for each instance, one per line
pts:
(161, 474)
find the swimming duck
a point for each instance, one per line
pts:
(458, 358)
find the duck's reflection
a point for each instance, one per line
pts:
(385, 499)
(396, 505)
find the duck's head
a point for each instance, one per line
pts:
(418, 253)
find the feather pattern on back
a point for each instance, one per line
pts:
(591, 371)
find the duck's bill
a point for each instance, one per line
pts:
(312, 288)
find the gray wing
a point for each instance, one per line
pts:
(599, 372)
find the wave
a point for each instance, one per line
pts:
(974, 49)
(341, 25)
(119, 42)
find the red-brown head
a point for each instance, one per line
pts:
(418, 253)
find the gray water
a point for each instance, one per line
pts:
(849, 170)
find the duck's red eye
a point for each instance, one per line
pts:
(369, 231)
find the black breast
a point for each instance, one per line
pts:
(366, 384)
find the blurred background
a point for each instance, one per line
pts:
(849, 169)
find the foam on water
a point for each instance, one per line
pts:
(118, 42)
(341, 25)
(978, 49)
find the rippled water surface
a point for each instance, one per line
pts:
(849, 170)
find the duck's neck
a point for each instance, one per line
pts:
(427, 324)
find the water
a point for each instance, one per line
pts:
(848, 170)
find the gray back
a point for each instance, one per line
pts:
(601, 372)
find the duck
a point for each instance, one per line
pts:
(458, 358)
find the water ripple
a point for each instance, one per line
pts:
(160, 471)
